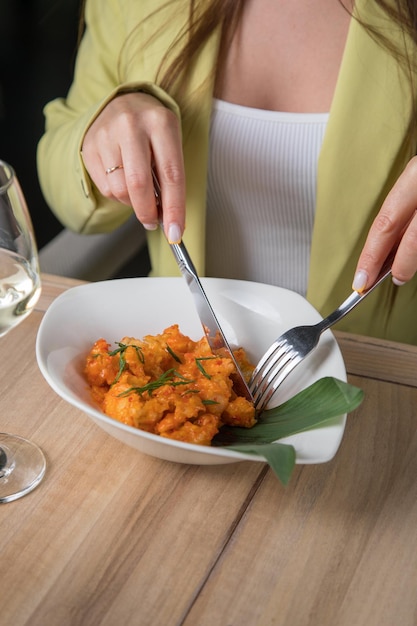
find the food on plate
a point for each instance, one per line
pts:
(169, 385)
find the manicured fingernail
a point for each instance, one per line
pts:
(174, 233)
(397, 282)
(360, 281)
(150, 226)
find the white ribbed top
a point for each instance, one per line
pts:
(261, 193)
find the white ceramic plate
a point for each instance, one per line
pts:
(252, 315)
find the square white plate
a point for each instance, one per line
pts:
(252, 315)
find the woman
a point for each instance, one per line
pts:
(336, 183)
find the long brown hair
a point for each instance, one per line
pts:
(205, 16)
(403, 13)
(202, 23)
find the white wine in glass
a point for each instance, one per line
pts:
(22, 463)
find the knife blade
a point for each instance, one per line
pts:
(211, 327)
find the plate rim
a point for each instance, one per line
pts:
(98, 417)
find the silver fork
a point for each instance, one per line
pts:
(295, 344)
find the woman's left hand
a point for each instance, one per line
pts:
(395, 225)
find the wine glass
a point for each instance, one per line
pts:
(22, 463)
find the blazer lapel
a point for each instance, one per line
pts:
(366, 146)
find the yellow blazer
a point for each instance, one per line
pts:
(370, 137)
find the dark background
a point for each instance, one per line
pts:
(38, 40)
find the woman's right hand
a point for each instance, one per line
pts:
(134, 132)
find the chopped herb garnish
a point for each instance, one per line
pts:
(172, 353)
(122, 347)
(200, 366)
(170, 377)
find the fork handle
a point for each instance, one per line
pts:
(354, 298)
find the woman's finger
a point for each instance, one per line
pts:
(134, 133)
(394, 226)
(405, 263)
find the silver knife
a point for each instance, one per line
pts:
(212, 329)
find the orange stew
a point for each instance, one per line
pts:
(169, 385)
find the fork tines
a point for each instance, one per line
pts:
(274, 366)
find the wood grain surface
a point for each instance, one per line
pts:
(113, 537)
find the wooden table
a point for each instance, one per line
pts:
(112, 537)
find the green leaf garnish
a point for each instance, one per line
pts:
(279, 456)
(324, 400)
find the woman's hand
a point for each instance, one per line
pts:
(132, 133)
(395, 225)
